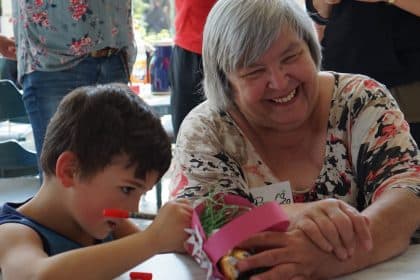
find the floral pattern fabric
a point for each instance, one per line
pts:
(53, 35)
(368, 149)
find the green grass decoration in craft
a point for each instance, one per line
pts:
(216, 214)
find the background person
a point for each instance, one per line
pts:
(376, 38)
(339, 140)
(157, 18)
(69, 44)
(186, 71)
(61, 232)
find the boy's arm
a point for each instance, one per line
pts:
(22, 255)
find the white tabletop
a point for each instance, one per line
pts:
(182, 267)
(404, 267)
(170, 266)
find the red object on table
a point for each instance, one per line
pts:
(140, 275)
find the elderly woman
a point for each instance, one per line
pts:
(324, 144)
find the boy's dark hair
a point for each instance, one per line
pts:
(100, 122)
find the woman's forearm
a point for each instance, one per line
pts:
(393, 219)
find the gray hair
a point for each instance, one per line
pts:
(238, 32)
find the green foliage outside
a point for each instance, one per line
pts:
(140, 9)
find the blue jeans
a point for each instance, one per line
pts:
(43, 91)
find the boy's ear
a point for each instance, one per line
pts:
(66, 168)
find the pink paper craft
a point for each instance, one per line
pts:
(267, 217)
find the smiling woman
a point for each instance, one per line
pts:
(279, 88)
(275, 125)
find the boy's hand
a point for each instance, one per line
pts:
(168, 228)
(334, 226)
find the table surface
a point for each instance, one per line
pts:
(182, 267)
(403, 267)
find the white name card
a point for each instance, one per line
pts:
(280, 192)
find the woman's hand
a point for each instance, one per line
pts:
(169, 226)
(334, 226)
(287, 255)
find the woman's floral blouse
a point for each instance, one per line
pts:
(369, 149)
(53, 35)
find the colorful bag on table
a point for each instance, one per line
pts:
(209, 250)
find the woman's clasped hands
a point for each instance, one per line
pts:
(334, 226)
(319, 231)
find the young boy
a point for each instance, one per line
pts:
(103, 148)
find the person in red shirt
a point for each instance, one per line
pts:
(186, 71)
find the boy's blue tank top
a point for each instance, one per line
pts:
(53, 242)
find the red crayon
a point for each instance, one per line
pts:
(140, 275)
(119, 213)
